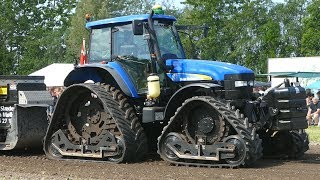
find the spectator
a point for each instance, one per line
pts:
(309, 98)
(318, 94)
(55, 93)
(308, 91)
(313, 112)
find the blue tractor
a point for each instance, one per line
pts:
(139, 92)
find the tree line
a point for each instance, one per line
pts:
(34, 34)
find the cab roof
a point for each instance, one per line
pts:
(125, 19)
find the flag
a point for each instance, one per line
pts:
(83, 54)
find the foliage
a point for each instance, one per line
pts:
(171, 9)
(311, 31)
(248, 32)
(7, 62)
(33, 32)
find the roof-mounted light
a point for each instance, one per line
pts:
(88, 17)
(157, 9)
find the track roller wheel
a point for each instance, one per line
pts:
(201, 119)
(166, 149)
(240, 150)
(121, 150)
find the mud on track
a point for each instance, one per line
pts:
(34, 165)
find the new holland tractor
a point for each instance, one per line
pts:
(139, 91)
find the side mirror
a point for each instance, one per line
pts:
(137, 27)
(205, 30)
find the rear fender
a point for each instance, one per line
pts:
(184, 93)
(111, 73)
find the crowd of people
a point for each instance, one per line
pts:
(313, 105)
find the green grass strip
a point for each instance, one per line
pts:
(314, 134)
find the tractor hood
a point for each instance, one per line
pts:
(197, 70)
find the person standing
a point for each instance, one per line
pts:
(313, 112)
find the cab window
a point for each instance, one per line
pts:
(100, 46)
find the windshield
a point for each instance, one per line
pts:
(100, 45)
(169, 44)
(124, 43)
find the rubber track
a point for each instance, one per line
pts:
(124, 116)
(127, 122)
(235, 119)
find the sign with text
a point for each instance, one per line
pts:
(6, 113)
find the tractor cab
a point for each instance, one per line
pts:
(139, 43)
(130, 36)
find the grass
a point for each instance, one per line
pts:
(314, 134)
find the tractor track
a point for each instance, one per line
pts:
(122, 115)
(235, 119)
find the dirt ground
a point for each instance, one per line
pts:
(22, 165)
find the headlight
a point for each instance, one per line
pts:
(243, 83)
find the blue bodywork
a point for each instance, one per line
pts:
(125, 19)
(125, 77)
(89, 72)
(185, 70)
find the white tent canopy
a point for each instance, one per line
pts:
(54, 74)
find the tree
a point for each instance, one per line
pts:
(248, 32)
(32, 32)
(290, 16)
(235, 29)
(7, 62)
(7, 43)
(170, 8)
(310, 45)
(44, 43)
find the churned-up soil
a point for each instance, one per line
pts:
(34, 165)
